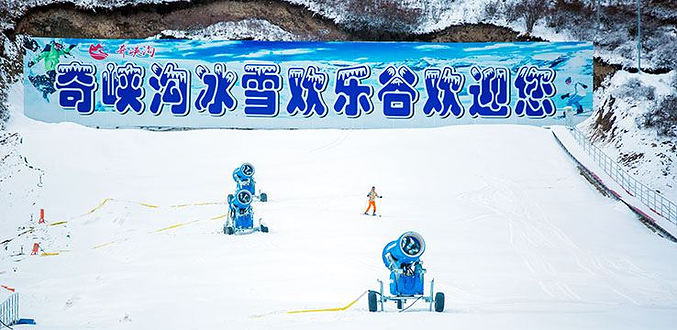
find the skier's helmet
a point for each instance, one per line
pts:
(568, 80)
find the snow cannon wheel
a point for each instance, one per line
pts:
(439, 302)
(371, 297)
(229, 230)
(264, 229)
(264, 197)
(400, 304)
(230, 198)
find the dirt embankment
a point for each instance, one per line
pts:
(148, 20)
(67, 21)
(602, 70)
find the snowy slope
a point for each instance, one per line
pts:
(516, 238)
(624, 101)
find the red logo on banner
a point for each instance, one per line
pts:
(96, 52)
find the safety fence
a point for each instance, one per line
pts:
(9, 311)
(649, 197)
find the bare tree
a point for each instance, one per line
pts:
(387, 15)
(529, 10)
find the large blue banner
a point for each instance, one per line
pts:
(251, 84)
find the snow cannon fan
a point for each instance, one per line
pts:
(406, 250)
(240, 218)
(403, 258)
(244, 178)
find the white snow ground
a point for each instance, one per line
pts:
(516, 238)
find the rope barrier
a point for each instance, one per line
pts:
(99, 206)
(219, 217)
(148, 205)
(187, 223)
(175, 226)
(104, 244)
(196, 204)
(333, 309)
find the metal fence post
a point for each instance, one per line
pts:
(569, 116)
(9, 310)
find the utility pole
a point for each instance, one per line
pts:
(639, 37)
(597, 22)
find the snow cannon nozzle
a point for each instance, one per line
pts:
(406, 250)
(245, 171)
(244, 178)
(242, 200)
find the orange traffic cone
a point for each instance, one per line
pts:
(36, 247)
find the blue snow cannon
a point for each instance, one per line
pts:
(403, 258)
(240, 218)
(244, 178)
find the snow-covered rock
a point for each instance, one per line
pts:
(255, 29)
(619, 126)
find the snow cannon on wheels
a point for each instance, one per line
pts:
(240, 218)
(244, 177)
(403, 258)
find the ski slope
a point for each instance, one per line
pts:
(516, 238)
